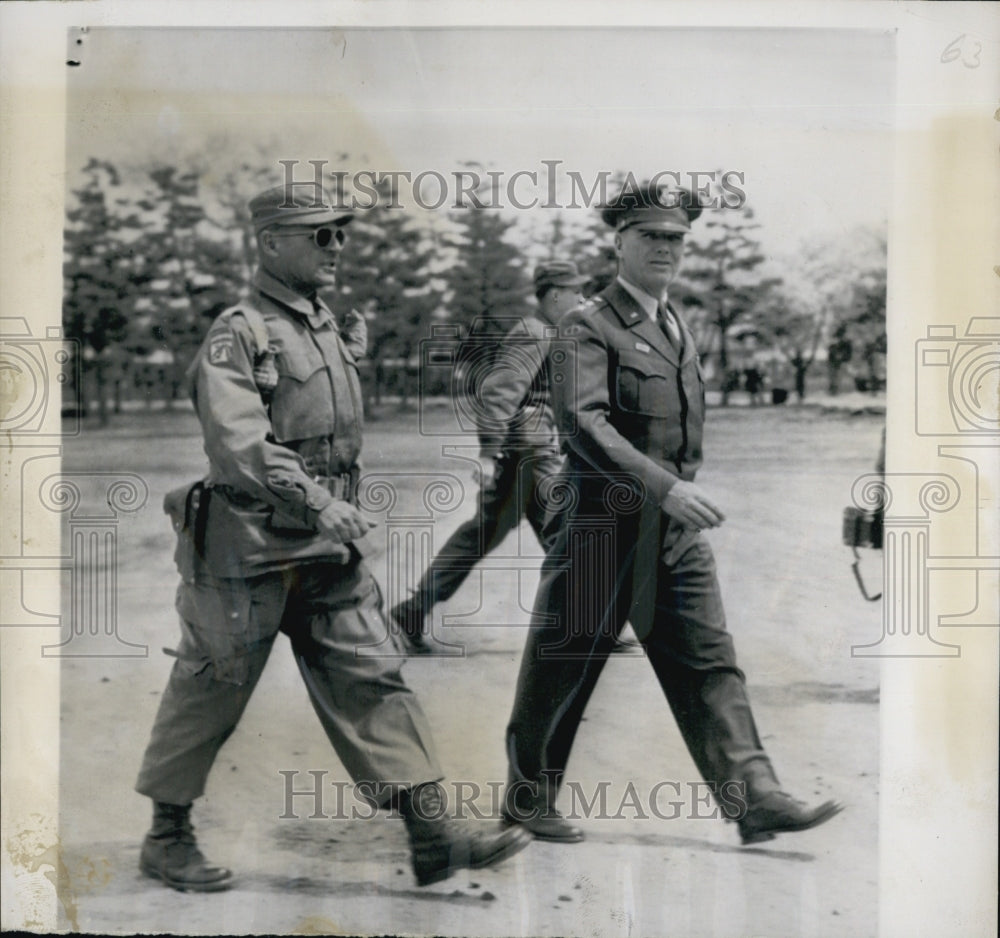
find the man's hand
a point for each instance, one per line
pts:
(687, 503)
(342, 522)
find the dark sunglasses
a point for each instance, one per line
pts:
(321, 237)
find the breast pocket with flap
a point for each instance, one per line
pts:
(302, 404)
(645, 384)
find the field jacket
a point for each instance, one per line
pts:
(275, 460)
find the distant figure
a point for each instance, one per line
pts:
(519, 450)
(753, 381)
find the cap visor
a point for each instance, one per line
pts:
(657, 226)
(309, 219)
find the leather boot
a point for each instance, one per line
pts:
(439, 848)
(780, 813)
(530, 805)
(170, 853)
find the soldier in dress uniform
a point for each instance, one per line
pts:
(629, 399)
(274, 541)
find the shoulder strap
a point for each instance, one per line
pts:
(258, 328)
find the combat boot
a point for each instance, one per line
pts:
(170, 853)
(439, 848)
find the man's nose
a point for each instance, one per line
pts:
(336, 242)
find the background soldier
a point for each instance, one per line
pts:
(519, 449)
(274, 542)
(630, 401)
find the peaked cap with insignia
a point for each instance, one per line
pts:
(653, 207)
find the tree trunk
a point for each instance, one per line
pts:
(102, 395)
(404, 389)
(834, 375)
(801, 367)
(724, 364)
(873, 378)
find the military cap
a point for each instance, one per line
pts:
(651, 207)
(300, 203)
(558, 274)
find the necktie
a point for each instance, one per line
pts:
(669, 325)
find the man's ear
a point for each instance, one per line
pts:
(618, 242)
(267, 244)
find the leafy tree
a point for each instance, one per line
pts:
(833, 299)
(865, 321)
(795, 331)
(838, 354)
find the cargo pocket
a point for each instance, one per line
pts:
(343, 607)
(216, 629)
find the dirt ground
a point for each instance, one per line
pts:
(782, 474)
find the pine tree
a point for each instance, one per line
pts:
(100, 272)
(194, 271)
(488, 280)
(488, 287)
(720, 281)
(385, 273)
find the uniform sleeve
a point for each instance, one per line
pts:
(502, 391)
(237, 428)
(580, 392)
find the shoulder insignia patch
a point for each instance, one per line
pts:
(220, 349)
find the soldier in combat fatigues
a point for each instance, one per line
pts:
(273, 542)
(519, 450)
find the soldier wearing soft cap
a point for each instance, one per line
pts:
(273, 541)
